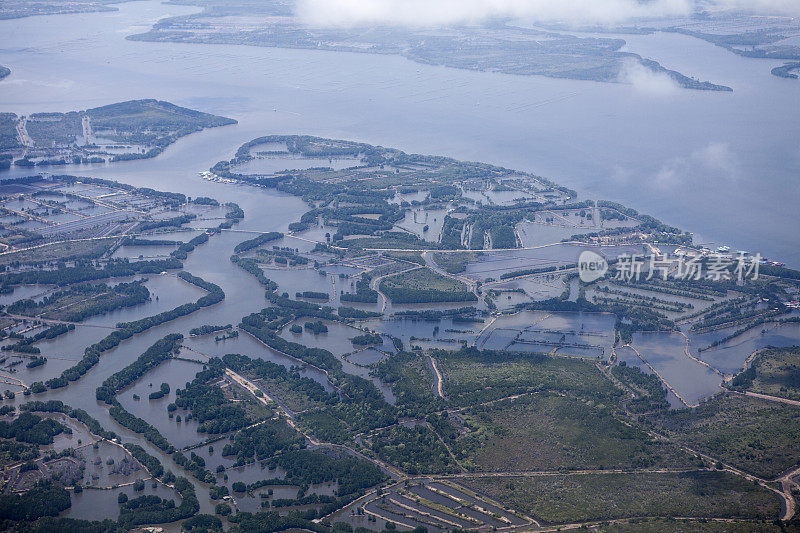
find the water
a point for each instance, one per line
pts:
(725, 154)
(735, 152)
(665, 352)
(243, 296)
(729, 357)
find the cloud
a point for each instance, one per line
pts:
(429, 13)
(763, 7)
(647, 81)
(432, 13)
(670, 175)
(717, 156)
(714, 164)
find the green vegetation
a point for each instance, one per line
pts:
(367, 339)
(546, 431)
(316, 327)
(152, 464)
(307, 467)
(313, 295)
(14, 452)
(207, 328)
(476, 376)
(57, 406)
(127, 330)
(24, 345)
(8, 135)
(650, 393)
(296, 391)
(82, 301)
(363, 294)
(409, 257)
(389, 240)
(255, 242)
(59, 251)
(493, 411)
(412, 383)
(261, 442)
(160, 393)
(605, 496)
(208, 405)
(351, 312)
(516, 50)
(415, 450)
(144, 127)
(671, 525)
(202, 523)
(44, 499)
(423, 285)
(755, 435)
(454, 263)
(29, 428)
(787, 70)
(361, 406)
(151, 358)
(84, 271)
(775, 372)
(154, 510)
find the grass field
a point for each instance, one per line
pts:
(775, 372)
(472, 377)
(289, 396)
(755, 435)
(424, 285)
(387, 242)
(660, 525)
(553, 432)
(60, 251)
(454, 263)
(413, 257)
(582, 497)
(412, 382)
(416, 450)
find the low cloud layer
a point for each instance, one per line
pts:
(764, 7)
(647, 81)
(420, 13)
(431, 13)
(714, 163)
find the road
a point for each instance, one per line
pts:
(50, 321)
(262, 397)
(22, 134)
(769, 398)
(430, 263)
(375, 284)
(439, 384)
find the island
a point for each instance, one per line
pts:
(137, 129)
(788, 70)
(500, 47)
(12, 9)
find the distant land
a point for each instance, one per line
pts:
(137, 129)
(494, 48)
(12, 9)
(747, 34)
(789, 70)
